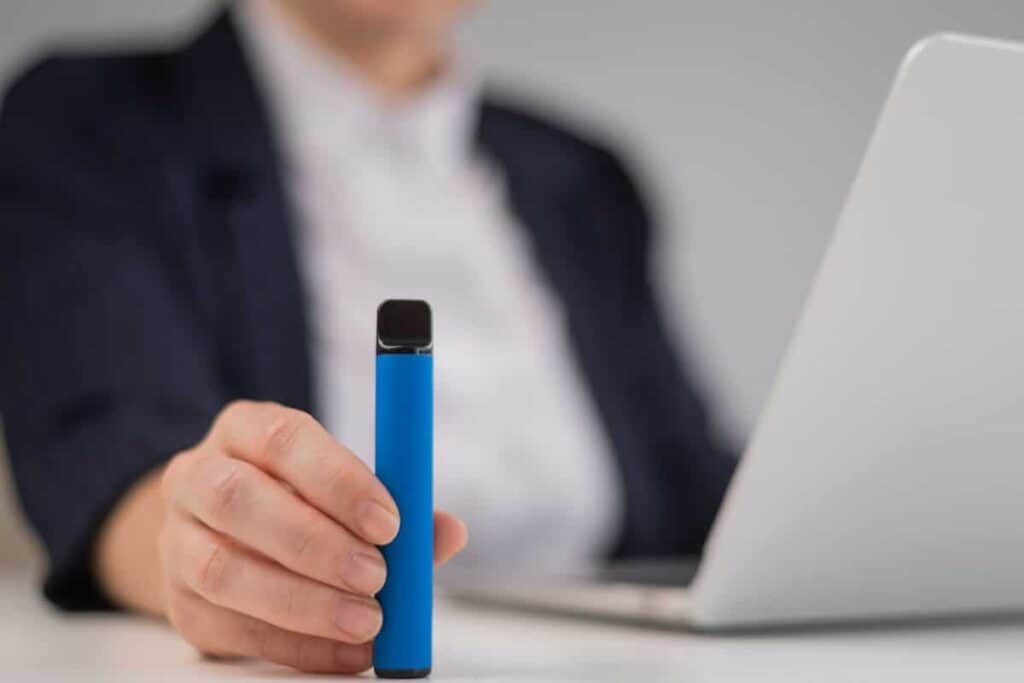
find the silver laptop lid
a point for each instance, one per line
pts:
(886, 474)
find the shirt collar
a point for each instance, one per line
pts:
(320, 104)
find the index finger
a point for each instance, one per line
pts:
(290, 445)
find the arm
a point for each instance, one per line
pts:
(243, 565)
(680, 470)
(253, 535)
(106, 369)
(127, 559)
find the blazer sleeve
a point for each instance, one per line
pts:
(105, 371)
(687, 465)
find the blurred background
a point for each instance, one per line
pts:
(746, 119)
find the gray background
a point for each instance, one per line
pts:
(746, 118)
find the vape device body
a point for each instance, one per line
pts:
(404, 464)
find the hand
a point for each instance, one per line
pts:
(268, 546)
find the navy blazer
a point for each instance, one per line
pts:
(148, 276)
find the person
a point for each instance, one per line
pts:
(194, 244)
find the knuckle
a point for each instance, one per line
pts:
(337, 479)
(224, 493)
(282, 433)
(259, 634)
(239, 411)
(183, 618)
(190, 618)
(307, 656)
(277, 646)
(232, 411)
(212, 571)
(306, 538)
(176, 615)
(172, 474)
(291, 601)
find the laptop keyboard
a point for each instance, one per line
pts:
(675, 572)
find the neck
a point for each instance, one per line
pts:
(398, 67)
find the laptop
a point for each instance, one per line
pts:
(885, 476)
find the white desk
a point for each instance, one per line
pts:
(38, 644)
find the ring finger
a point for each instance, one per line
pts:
(228, 575)
(243, 502)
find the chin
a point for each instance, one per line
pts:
(391, 16)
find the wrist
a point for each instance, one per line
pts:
(126, 560)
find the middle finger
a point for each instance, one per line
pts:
(243, 502)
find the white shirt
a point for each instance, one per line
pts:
(392, 202)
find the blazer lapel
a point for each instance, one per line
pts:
(239, 172)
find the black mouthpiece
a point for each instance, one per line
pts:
(403, 326)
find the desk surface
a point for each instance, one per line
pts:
(38, 644)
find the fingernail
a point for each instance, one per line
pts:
(360, 620)
(378, 524)
(364, 572)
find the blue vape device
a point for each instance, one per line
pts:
(404, 464)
